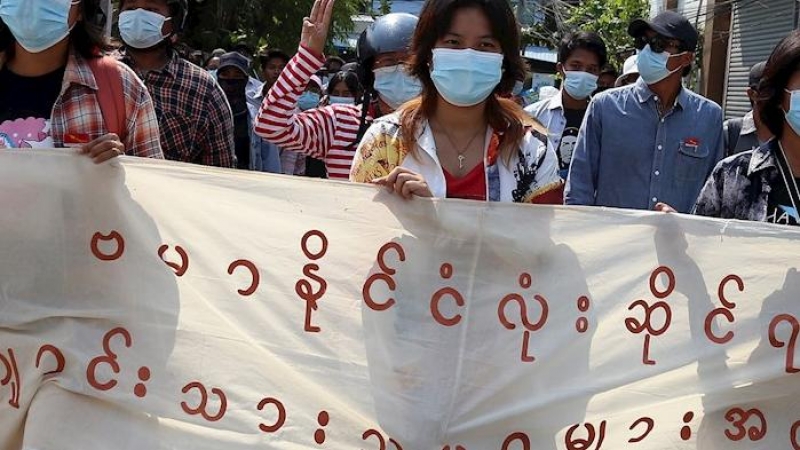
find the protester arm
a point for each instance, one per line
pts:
(279, 121)
(142, 139)
(582, 178)
(215, 135)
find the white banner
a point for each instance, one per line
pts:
(152, 305)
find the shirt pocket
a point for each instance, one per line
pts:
(692, 162)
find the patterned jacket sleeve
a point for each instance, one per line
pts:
(709, 202)
(216, 134)
(548, 187)
(380, 151)
(142, 124)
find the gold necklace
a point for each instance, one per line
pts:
(461, 157)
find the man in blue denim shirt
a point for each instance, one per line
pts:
(654, 141)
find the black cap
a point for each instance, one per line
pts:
(756, 72)
(668, 24)
(234, 59)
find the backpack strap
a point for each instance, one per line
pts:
(110, 94)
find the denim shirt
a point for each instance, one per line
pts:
(264, 156)
(627, 156)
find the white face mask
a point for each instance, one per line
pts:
(141, 29)
(335, 100)
(395, 86)
(37, 25)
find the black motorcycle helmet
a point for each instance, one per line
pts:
(389, 33)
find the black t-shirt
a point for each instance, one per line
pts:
(25, 107)
(566, 145)
(784, 200)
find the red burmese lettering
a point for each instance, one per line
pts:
(775, 342)
(113, 236)
(281, 414)
(201, 408)
(60, 361)
(109, 357)
(254, 274)
(180, 269)
(650, 424)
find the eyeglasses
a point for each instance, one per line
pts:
(657, 43)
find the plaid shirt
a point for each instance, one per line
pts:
(77, 110)
(193, 113)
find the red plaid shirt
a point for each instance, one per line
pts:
(193, 114)
(77, 110)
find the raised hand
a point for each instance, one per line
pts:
(317, 25)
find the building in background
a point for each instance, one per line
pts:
(735, 35)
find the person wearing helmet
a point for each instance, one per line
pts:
(195, 119)
(50, 54)
(332, 132)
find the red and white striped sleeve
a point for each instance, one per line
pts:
(280, 121)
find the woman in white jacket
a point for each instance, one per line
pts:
(460, 139)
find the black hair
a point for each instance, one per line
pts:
(348, 78)
(781, 65)
(586, 40)
(87, 37)
(274, 54)
(334, 59)
(609, 70)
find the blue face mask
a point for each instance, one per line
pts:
(308, 100)
(37, 25)
(465, 77)
(579, 85)
(141, 29)
(395, 86)
(653, 66)
(334, 100)
(793, 114)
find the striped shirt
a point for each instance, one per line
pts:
(327, 133)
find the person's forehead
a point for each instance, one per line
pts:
(276, 61)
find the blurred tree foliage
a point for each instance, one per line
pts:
(608, 18)
(259, 24)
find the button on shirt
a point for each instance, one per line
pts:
(627, 156)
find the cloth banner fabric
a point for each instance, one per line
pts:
(154, 305)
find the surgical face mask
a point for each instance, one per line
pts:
(395, 86)
(793, 114)
(141, 29)
(308, 100)
(653, 66)
(579, 85)
(335, 100)
(465, 77)
(37, 25)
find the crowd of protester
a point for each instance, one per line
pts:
(431, 107)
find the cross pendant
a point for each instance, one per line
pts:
(461, 159)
